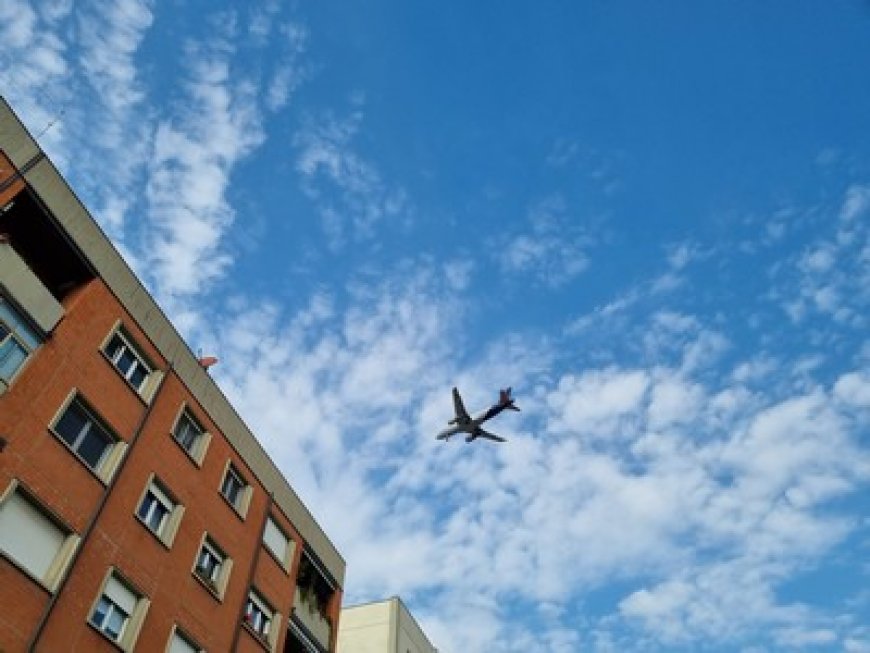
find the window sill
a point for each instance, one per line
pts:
(156, 536)
(284, 566)
(145, 400)
(118, 646)
(24, 571)
(96, 473)
(232, 506)
(193, 460)
(262, 640)
(209, 587)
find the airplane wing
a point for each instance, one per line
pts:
(486, 434)
(461, 414)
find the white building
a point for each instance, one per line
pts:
(381, 627)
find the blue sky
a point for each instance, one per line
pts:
(650, 219)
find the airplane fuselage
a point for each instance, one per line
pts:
(465, 423)
(468, 426)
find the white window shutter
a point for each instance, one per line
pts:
(121, 595)
(275, 540)
(28, 536)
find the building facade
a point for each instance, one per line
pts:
(137, 510)
(381, 627)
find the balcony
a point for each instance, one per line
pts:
(25, 288)
(312, 601)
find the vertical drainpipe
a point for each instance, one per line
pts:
(255, 559)
(92, 523)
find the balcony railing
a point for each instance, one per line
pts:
(306, 610)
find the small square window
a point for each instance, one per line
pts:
(154, 509)
(17, 340)
(159, 512)
(181, 643)
(191, 436)
(236, 490)
(110, 617)
(209, 562)
(127, 360)
(212, 566)
(119, 612)
(85, 435)
(278, 543)
(187, 432)
(258, 615)
(37, 541)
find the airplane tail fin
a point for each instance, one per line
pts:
(505, 400)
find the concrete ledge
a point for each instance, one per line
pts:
(27, 290)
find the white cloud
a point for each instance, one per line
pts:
(348, 190)
(854, 388)
(595, 401)
(553, 252)
(33, 69)
(189, 173)
(856, 203)
(830, 277)
(290, 71)
(117, 124)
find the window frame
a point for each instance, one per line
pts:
(148, 386)
(216, 586)
(270, 637)
(171, 519)
(23, 321)
(177, 632)
(114, 449)
(285, 561)
(59, 565)
(197, 451)
(132, 625)
(243, 496)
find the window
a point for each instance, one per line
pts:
(128, 361)
(208, 564)
(236, 490)
(258, 615)
(212, 566)
(159, 512)
(232, 487)
(181, 643)
(17, 340)
(119, 612)
(191, 436)
(85, 436)
(36, 541)
(278, 543)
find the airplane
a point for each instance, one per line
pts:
(464, 423)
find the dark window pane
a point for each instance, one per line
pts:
(157, 516)
(93, 446)
(126, 360)
(115, 345)
(12, 356)
(147, 502)
(138, 376)
(71, 424)
(186, 432)
(231, 488)
(116, 623)
(101, 610)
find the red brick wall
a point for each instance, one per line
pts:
(71, 358)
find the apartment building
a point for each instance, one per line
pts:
(381, 627)
(137, 510)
